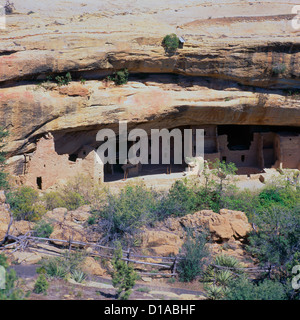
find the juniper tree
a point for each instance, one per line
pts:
(123, 275)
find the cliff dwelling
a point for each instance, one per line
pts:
(252, 148)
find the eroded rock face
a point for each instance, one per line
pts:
(240, 41)
(228, 42)
(150, 104)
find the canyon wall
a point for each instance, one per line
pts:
(240, 65)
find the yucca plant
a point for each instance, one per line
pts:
(214, 292)
(209, 274)
(227, 261)
(218, 279)
(55, 270)
(223, 277)
(78, 275)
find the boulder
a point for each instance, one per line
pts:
(26, 257)
(2, 197)
(56, 215)
(161, 242)
(91, 266)
(81, 214)
(68, 230)
(21, 227)
(223, 226)
(4, 220)
(74, 90)
(238, 221)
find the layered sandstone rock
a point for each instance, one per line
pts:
(245, 42)
(227, 226)
(148, 104)
(241, 40)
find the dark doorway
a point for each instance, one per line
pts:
(73, 157)
(39, 182)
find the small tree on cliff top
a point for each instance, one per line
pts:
(170, 43)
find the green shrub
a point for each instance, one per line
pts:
(41, 285)
(208, 199)
(224, 260)
(92, 220)
(243, 289)
(217, 279)
(53, 199)
(222, 171)
(283, 195)
(170, 42)
(76, 192)
(62, 266)
(73, 200)
(241, 200)
(270, 196)
(278, 236)
(43, 229)
(215, 292)
(192, 256)
(278, 68)
(92, 193)
(217, 185)
(181, 200)
(126, 212)
(123, 274)
(65, 198)
(120, 77)
(24, 204)
(223, 277)
(63, 80)
(144, 289)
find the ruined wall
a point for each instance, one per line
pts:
(46, 167)
(268, 152)
(58, 159)
(242, 158)
(287, 149)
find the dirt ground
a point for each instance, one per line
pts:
(101, 289)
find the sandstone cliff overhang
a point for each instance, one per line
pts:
(240, 66)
